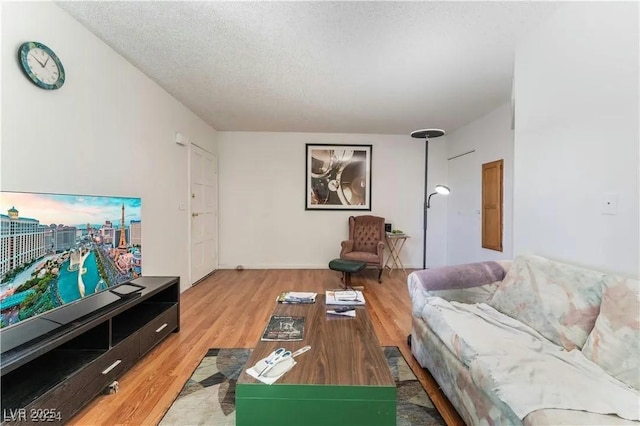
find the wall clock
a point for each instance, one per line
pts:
(41, 65)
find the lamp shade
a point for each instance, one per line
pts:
(427, 133)
(441, 189)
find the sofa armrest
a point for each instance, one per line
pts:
(347, 247)
(460, 276)
(466, 283)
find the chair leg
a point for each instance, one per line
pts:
(380, 275)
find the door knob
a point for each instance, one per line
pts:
(194, 214)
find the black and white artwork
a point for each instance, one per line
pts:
(338, 177)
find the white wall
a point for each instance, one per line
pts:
(576, 137)
(491, 137)
(263, 221)
(108, 131)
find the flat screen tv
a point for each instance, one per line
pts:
(58, 248)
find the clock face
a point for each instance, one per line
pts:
(41, 65)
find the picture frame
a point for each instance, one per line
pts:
(338, 177)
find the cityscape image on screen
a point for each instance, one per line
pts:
(58, 248)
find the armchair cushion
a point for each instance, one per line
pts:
(361, 255)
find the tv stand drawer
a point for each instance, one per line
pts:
(65, 399)
(158, 328)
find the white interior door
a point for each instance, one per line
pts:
(463, 205)
(204, 213)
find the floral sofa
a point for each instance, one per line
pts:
(531, 341)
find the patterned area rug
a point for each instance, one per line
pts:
(208, 397)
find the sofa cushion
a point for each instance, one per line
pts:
(559, 300)
(542, 379)
(614, 342)
(471, 330)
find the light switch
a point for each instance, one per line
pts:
(610, 203)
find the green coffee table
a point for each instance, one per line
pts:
(343, 379)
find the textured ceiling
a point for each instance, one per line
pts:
(344, 67)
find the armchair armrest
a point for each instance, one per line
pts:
(380, 252)
(347, 247)
(467, 283)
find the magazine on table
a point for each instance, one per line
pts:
(284, 328)
(344, 297)
(296, 297)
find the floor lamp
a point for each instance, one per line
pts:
(427, 134)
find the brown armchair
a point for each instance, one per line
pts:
(366, 241)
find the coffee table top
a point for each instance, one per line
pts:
(344, 350)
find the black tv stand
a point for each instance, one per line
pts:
(54, 364)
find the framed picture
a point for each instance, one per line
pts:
(338, 177)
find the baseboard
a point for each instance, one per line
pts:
(277, 266)
(205, 277)
(290, 266)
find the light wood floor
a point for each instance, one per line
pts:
(229, 309)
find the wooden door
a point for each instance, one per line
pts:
(492, 205)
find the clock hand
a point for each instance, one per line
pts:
(45, 62)
(37, 60)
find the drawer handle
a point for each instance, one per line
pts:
(112, 366)
(161, 327)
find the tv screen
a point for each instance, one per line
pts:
(58, 248)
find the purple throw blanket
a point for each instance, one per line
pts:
(460, 276)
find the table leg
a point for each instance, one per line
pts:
(398, 251)
(393, 255)
(390, 255)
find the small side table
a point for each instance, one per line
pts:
(395, 243)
